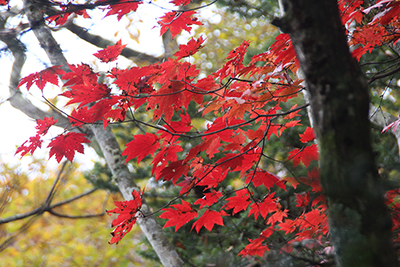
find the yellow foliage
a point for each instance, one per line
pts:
(51, 240)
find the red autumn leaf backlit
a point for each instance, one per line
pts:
(190, 48)
(41, 78)
(110, 53)
(65, 145)
(177, 21)
(42, 126)
(122, 7)
(30, 145)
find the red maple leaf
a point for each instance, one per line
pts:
(190, 48)
(264, 177)
(110, 53)
(208, 199)
(255, 248)
(42, 126)
(30, 145)
(41, 78)
(80, 74)
(127, 215)
(263, 207)
(173, 171)
(277, 216)
(239, 202)
(65, 145)
(209, 219)
(306, 155)
(178, 215)
(177, 21)
(5, 2)
(141, 146)
(122, 7)
(307, 136)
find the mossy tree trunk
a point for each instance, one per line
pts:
(360, 224)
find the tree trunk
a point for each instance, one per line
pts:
(360, 224)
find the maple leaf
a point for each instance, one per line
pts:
(190, 48)
(239, 202)
(277, 216)
(173, 171)
(255, 248)
(110, 53)
(81, 74)
(305, 154)
(307, 136)
(209, 219)
(302, 199)
(208, 199)
(65, 145)
(41, 78)
(177, 21)
(178, 215)
(30, 145)
(263, 207)
(122, 7)
(141, 146)
(42, 126)
(264, 177)
(127, 215)
(4, 2)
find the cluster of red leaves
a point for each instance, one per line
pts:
(245, 102)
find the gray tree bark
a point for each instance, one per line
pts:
(360, 224)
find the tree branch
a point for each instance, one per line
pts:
(99, 41)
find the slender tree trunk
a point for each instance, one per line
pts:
(360, 224)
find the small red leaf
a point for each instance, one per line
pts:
(65, 145)
(208, 199)
(178, 215)
(41, 78)
(190, 48)
(239, 202)
(209, 219)
(307, 136)
(110, 53)
(42, 126)
(30, 145)
(306, 155)
(177, 21)
(141, 146)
